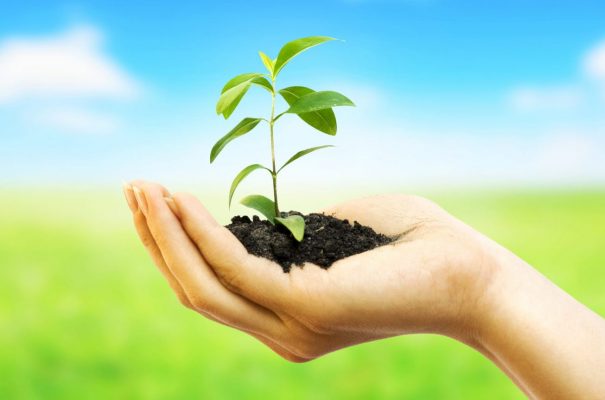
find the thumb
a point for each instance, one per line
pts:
(256, 278)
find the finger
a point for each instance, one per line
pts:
(195, 276)
(282, 351)
(258, 279)
(391, 215)
(149, 243)
(129, 196)
(156, 255)
(153, 249)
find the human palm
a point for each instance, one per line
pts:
(425, 281)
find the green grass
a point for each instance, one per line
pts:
(84, 314)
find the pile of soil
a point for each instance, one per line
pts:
(327, 239)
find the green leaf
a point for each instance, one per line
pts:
(267, 62)
(245, 126)
(295, 224)
(240, 177)
(234, 90)
(240, 79)
(322, 120)
(229, 109)
(264, 83)
(261, 204)
(302, 153)
(229, 100)
(253, 77)
(319, 101)
(295, 47)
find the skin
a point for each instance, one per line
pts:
(439, 277)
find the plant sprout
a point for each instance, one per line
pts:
(314, 108)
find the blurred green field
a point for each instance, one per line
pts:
(84, 314)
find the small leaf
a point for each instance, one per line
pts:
(264, 83)
(295, 47)
(231, 107)
(240, 79)
(322, 120)
(319, 101)
(267, 62)
(261, 204)
(234, 90)
(302, 153)
(245, 126)
(229, 100)
(240, 177)
(295, 224)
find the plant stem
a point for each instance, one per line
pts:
(274, 171)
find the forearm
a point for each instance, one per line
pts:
(552, 345)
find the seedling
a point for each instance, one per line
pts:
(315, 108)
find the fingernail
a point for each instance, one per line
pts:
(130, 199)
(141, 201)
(171, 203)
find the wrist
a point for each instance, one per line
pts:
(478, 287)
(538, 334)
(509, 284)
(494, 289)
(498, 302)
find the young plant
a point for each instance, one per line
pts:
(314, 108)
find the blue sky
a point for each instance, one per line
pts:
(448, 92)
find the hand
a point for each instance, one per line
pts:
(440, 276)
(430, 280)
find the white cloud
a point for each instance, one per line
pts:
(545, 98)
(568, 96)
(567, 154)
(71, 64)
(594, 62)
(78, 120)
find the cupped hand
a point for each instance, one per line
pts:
(431, 279)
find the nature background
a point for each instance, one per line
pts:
(493, 109)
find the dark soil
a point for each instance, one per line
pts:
(327, 239)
